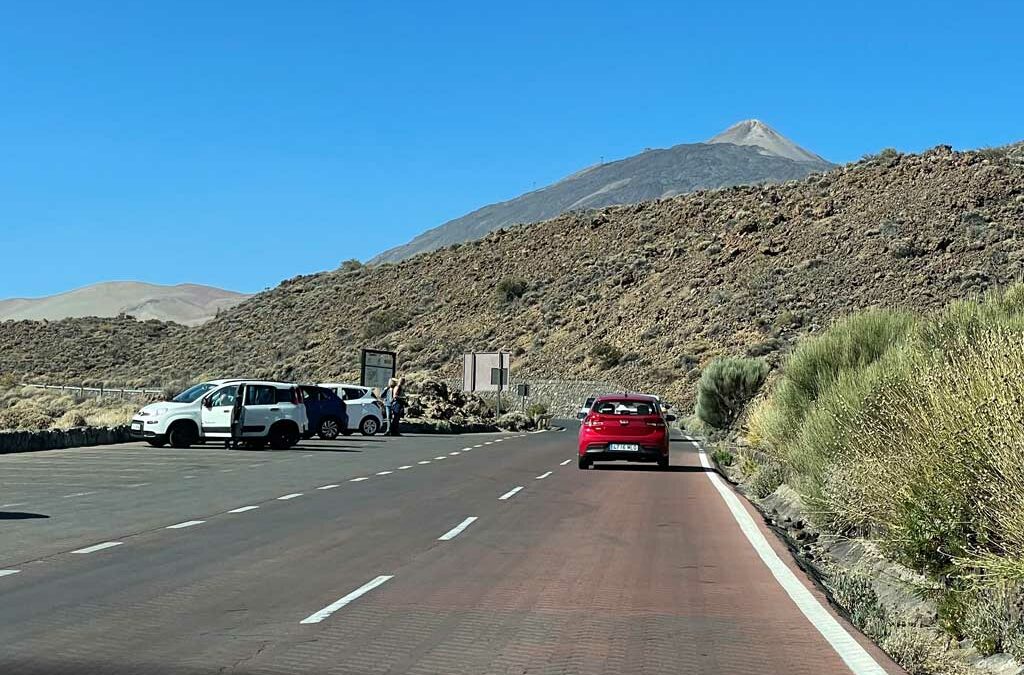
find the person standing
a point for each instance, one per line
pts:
(395, 404)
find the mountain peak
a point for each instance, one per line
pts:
(756, 132)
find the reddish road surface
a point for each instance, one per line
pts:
(428, 565)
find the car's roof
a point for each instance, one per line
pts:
(341, 384)
(626, 396)
(273, 383)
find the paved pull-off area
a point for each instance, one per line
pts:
(425, 554)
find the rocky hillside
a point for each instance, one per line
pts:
(642, 294)
(747, 152)
(188, 304)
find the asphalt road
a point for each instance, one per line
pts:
(488, 553)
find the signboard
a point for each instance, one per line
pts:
(522, 390)
(486, 371)
(376, 367)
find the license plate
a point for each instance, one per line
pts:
(136, 426)
(630, 447)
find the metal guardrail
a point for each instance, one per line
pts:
(99, 392)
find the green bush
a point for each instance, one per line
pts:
(606, 355)
(351, 265)
(723, 457)
(510, 289)
(384, 322)
(536, 410)
(725, 388)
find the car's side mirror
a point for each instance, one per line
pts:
(208, 402)
(581, 415)
(670, 418)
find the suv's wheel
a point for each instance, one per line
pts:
(369, 426)
(280, 437)
(584, 463)
(182, 435)
(329, 429)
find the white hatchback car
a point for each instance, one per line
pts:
(365, 410)
(254, 411)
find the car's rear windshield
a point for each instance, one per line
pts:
(193, 393)
(625, 407)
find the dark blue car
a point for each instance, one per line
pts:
(326, 412)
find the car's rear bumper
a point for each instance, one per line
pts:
(599, 452)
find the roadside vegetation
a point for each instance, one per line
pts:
(28, 409)
(908, 430)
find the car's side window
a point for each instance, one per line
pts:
(224, 397)
(261, 395)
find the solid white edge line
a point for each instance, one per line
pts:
(291, 496)
(457, 530)
(187, 523)
(243, 509)
(849, 650)
(98, 547)
(511, 493)
(564, 463)
(328, 487)
(317, 617)
(4, 573)
(543, 475)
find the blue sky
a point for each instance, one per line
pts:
(240, 143)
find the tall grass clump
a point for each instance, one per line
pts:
(725, 388)
(915, 439)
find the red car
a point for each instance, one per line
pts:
(630, 427)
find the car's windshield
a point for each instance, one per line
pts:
(193, 393)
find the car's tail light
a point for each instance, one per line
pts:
(296, 396)
(659, 423)
(594, 422)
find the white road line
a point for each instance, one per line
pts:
(499, 440)
(7, 506)
(441, 457)
(307, 455)
(188, 476)
(467, 449)
(457, 530)
(425, 461)
(98, 547)
(290, 496)
(328, 487)
(564, 463)
(4, 573)
(480, 445)
(455, 452)
(543, 475)
(255, 465)
(317, 617)
(403, 468)
(384, 473)
(489, 443)
(356, 480)
(135, 485)
(226, 470)
(511, 493)
(849, 650)
(187, 523)
(79, 494)
(243, 509)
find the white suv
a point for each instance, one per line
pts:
(365, 411)
(254, 411)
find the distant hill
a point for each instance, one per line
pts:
(188, 304)
(746, 153)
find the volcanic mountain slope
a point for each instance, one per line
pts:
(745, 153)
(188, 304)
(642, 295)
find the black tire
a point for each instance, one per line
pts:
(369, 426)
(279, 437)
(584, 463)
(330, 428)
(663, 464)
(182, 435)
(346, 432)
(157, 442)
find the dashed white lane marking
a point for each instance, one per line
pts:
(543, 475)
(384, 473)
(457, 530)
(499, 440)
(356, 480)
(849, 650)
(98, 547)
(255, 465)
(328, 487)
(226, 470)
(4, 573)
(307, 455)
(404, 467)
(455, 452)
(7, 506)
(188, 476)
(479, 445)
(425, 461)
(564, 463)
(511, 493)
(467, 449)
(291, 496)
(135, 485)
(441, 457)
(187, 523)
(243, 509)
(489, 443)
(317, 617)
(78, 494)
